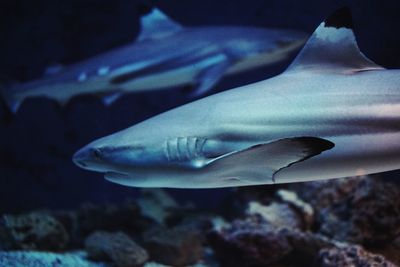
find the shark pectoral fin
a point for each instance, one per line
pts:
(333, 48)
(109, 97)
(209, 77)
(156, 24)
(252, 165)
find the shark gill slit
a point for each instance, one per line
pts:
(172, 152)
(187, 148)
(183, 148)
(180, 150)
(167, 151)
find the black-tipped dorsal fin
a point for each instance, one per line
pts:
(156, 24)
(333, 48)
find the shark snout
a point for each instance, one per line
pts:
(87, 157)
(106, 158)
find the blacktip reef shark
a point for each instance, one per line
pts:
(333, 113)
(165, 55)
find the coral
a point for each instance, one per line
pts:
(350, 256)
(389, 251)
(157, 204)
(256, 242)
(118, 247)
(324, 193)
(249, 242)
(304, 209)
(34, 230)
(308, 224)
(45, 259)
(276, 214)
(369, 215)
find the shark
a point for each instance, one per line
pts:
(333, 113)
(165, 55)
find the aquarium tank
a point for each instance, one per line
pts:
(199, 133)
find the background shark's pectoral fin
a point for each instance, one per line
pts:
(253, 165)
(110, 98)
(63, 101)
(333, 48)
(10, 100)
(156, 24)
(209, 77)
(13, 104)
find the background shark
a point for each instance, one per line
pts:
(332, 113)
(165, 55)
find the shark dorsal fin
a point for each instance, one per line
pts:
(156, 24)
(333, 48)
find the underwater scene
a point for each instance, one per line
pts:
(199, 133)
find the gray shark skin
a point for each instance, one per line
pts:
(165, 55)
(333, 113)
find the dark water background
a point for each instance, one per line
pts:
(37, 143)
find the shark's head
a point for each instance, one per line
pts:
(112, 153)
(120, 154)
(144, 154)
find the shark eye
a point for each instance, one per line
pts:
(97, 153)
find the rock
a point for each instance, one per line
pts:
(117, 247)
(389, 251)
(6, 239)
(196, 221)
(370, 215)
(250, 242)
(126, 217)
(33, 231)
(256, 242)
(69, 220)
(179, 246)
(45, 259)
(350, 256)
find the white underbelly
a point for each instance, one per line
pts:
(173, 78)
(184, 75)
(352, 156)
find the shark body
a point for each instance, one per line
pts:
(165, 55)
(333, 113)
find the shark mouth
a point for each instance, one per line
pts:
(115, 176)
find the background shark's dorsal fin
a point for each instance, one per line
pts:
(156, 24)
(333, 48)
